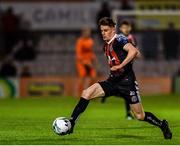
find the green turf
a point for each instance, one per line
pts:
(28, 121)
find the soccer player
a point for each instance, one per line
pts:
(122, 81)
(85, 59)
(125, 28)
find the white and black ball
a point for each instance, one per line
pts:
(61, 125)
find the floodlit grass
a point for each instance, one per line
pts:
(29, 121)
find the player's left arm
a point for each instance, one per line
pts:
(132, 53)
(138, 54)
(133, 41)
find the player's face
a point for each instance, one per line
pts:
(125, 29)
(107, 32)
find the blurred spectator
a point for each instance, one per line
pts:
(25, 51)
(10, 28)
(85, 59)
(25, 72)
(8, 69)
(171, 42)
(126, 29)
(125, 5)
(150, 44)
(103, 12)
(25, 26)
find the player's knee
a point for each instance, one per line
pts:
(139, 116)
(89, 92)
(86, 94)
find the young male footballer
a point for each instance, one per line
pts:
(125, 28)
(121, 81)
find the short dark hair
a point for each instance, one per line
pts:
(125, 22)
(107, 21)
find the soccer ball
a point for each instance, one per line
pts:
(61, 125)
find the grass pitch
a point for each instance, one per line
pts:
(28, 121)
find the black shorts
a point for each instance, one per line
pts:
(126, 87)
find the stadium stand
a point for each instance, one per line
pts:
(56, 49)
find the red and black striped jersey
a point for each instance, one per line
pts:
(115, 54)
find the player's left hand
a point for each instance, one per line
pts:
(116, 68)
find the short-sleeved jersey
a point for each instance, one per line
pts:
(84, 50)
(116, 54)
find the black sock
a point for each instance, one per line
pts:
(80, 108)
(152, 119)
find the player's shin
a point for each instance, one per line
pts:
(152, 119)
(80, 108)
